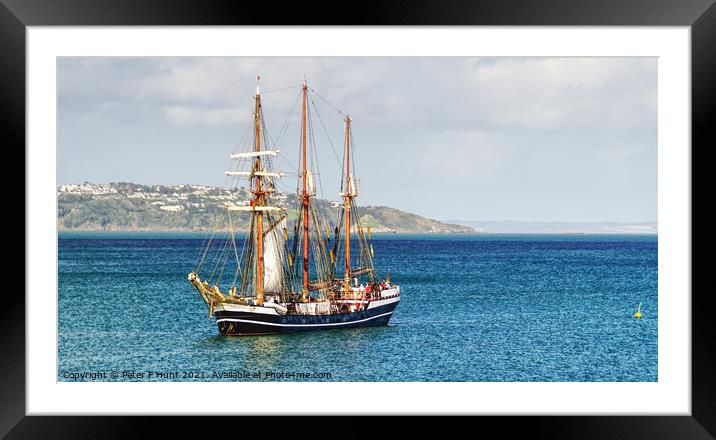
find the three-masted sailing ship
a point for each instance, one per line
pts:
(287, 274)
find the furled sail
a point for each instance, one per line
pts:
(252, 173)
(353, 190)
(255, 154)
(274, 257)
(310, 183)
(354, 186)
(252, 208)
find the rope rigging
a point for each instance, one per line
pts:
(283, 227)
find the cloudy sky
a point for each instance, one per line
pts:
(534, 139)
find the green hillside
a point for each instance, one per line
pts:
(131, 207)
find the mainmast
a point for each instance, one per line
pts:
(347, 193)
(304, 195)
(259, 201)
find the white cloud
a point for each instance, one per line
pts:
(511, 93)
(213, 90)
(561, 93)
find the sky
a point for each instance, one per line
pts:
(530, 139)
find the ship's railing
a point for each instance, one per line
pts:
(363, 294)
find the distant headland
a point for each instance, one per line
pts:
(567, 228)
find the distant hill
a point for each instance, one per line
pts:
(132, 207)
(391, 219)
(521, 227)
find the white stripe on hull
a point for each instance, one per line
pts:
(250, 321)
(242, 308)
(381, 302)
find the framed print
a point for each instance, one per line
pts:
(469, 210)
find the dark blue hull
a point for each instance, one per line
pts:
(233, 323)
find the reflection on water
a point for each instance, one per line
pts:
(266, 351)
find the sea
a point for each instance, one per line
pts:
(482, 308)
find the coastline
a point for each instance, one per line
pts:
(138, 232)
(241, 231)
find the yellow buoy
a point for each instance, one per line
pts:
(637, 315)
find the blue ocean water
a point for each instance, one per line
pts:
(473, 308)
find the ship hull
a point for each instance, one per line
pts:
(241, 323)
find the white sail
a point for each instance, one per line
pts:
(255, 154)
(273, 257)
(310, 184)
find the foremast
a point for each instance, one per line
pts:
(258, 206)
(255, 277)
(258, 201)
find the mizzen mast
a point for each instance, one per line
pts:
(304, 193)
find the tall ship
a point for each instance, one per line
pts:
(299, 265)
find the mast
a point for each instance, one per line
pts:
(304, 195)
(347, 195)
(259, 201)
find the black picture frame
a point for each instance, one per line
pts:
(16, 15)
